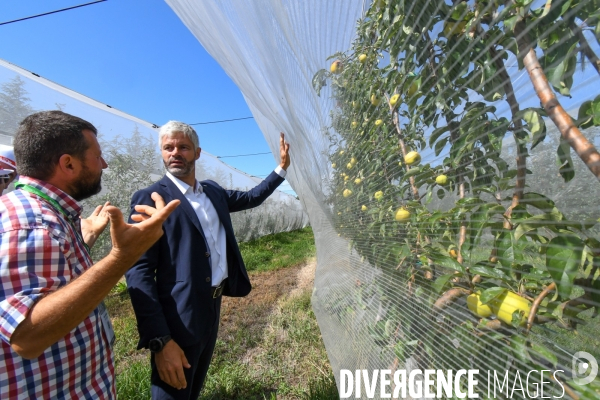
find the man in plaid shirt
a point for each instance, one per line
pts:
(56, 335)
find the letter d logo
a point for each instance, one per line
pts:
(584, 364)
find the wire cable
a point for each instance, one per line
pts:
(245, 155)
(218, 122)
(51, 12)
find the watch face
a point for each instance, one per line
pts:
(155, 345)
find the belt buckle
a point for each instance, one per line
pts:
(218, 291)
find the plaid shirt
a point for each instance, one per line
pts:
(40, 252)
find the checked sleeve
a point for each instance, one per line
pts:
(32, 264)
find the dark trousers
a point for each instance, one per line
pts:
(198, 356)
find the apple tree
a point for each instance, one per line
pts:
(431, 145)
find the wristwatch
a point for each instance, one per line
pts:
(157, 344)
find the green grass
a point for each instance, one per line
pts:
(279, 250)
(288, 361)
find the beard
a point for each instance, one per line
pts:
(179, 171)
(87, 185)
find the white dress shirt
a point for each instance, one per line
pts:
(213, 229)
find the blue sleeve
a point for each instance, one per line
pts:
(239, 201)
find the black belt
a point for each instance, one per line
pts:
(217, 291)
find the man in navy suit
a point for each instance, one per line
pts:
(176, 286)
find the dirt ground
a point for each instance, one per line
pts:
(253, 310)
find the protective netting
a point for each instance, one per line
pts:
(130, 147)
(456, 224)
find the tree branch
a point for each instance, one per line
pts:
(584, 149)
(518, 128)
(584, 46)
(415, 190)
(536, 305)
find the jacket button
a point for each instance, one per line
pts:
(207, 254)
(208, 279)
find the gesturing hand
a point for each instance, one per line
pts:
(170, 362)
(284, 150)
(93, 226)
(130, 241)
(146, 212)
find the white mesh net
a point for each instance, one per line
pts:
(130, 147)
(479, 250)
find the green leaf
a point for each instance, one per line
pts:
(585, 116)
(509, 249)
(538, 201)
(510, 22)
(491, 293)
(596, 110)
(436, 134)
(319, 80)
(548, 220)
(412, 172)
(565, 162)
(536, 125)
(563, 257)
(486, 269)
(446, 261)
(539, 350)
(438, 285)
(458, 11)
(439, 145)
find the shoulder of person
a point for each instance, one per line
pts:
(209, 182)
(20, 210)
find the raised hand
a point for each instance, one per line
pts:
(130, 241)
(284, 149)
(94, 225)
(145, 212)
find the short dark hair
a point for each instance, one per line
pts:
(42, 138)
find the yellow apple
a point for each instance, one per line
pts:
(452, 28)
(336, 67)
(477, 307)
(349, 165)
(347, 192)
(394, 100)
(333, 165)
(362, 58)
(402, 215)
(357, 181)
(378, 195)
(375, 100)
(412, 158)
(364, 208)
(441, 179)
(378, 122)
(505, 305)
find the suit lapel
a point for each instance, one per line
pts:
(217, 202)
(185, 205)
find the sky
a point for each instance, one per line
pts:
(138, 57)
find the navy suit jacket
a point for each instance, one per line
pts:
(170, 285)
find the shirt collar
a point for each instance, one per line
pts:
(69, 204)
(184, 187)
